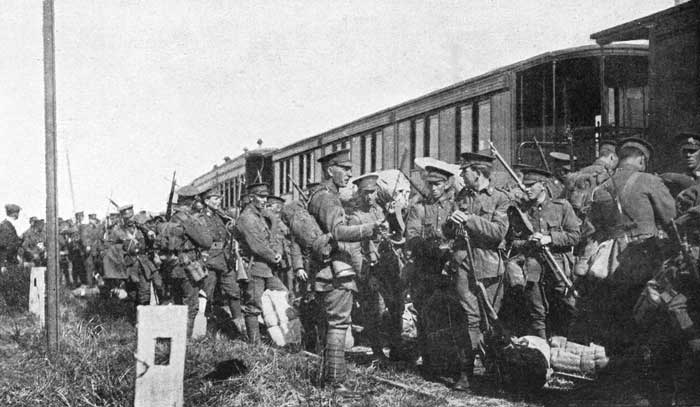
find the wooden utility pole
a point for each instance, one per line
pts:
(51, 203)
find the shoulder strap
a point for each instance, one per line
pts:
(625, 188)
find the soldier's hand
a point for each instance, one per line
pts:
(301, 275)
(459, 217)
(541, 239)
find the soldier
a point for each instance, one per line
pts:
(181, 241)
(261, 255)
(481, 217)
(10, 242)
(376, 278)
(281, 238)
(560, 184)
(627, 208)
(587, 178)
(335, 280)
(34, 244)
(218, 263)
(553, 224)
(427, 244)
(77, 253)
(92, 235)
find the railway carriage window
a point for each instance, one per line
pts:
(483, 117)
(432, 131)
(345, 145)
(465, 129)
(419, 130)
(378, 149)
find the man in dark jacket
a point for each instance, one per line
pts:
(9, 240)
(259, 253)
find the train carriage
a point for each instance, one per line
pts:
(566, 99)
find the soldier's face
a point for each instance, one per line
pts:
(259, 201)
(340, 175)
(470, 177)
(437, 188)
(369, 197)
(692, 158)
(214, 201)
(535, 191)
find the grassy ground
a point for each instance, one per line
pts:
(96, 367)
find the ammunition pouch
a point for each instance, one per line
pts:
(196, 271)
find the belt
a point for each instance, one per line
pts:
(217, 245)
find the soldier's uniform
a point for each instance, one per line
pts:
(181, 241)
(220, 274)
(546, 294)
(428, 245)
(281, 241)
(137, 267)
(628, 208)
(92, 234)
(34, 244)
(255, 238)
(486, 226)
(379, 282)
(335, 280)
(585, 180)
(10, 242)
(560, 184)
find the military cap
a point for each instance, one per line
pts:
(533, 174)
(259, 189)
(211, 192)
(607, 147)
(689, 140)
(561, 157)
(12, 208)
(468, 159)
(187, 194)
(126, 211)
(312, 185)
(275, 199)
(92, 216)
(638, 143)
(340, 158)
(366, 182)
(436, 174)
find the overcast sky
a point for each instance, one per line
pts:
(145, 87)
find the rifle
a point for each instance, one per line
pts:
(542, 156)
(169, 207)
(508, 168)
(546, 252)
(302, 195)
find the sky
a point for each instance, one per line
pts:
(147, 87)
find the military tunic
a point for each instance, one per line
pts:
(220, 274)
(554, 218)
(9, 243)
(34, 246)
(257, 249)
(486, 231)
(336, 279)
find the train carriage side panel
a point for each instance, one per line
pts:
(404, 144)
(501, 115)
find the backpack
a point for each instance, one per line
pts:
(305, 230)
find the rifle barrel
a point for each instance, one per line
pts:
(505, 165)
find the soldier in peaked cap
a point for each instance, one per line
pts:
(427, 244)
(555, 225)
(481, 217)
(91, 236)
(263, 257)
(560, 183)
(220, 275)
(181, 241)
(689, 142)
(335, 280)
(376, 276)
(628, 207)
(34, 244)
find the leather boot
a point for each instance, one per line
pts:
(253, 328)
(466, 373)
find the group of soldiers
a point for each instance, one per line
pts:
(526, 252)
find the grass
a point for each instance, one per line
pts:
(96, 366)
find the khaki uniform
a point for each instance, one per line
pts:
(486, 231)
(545, 294)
